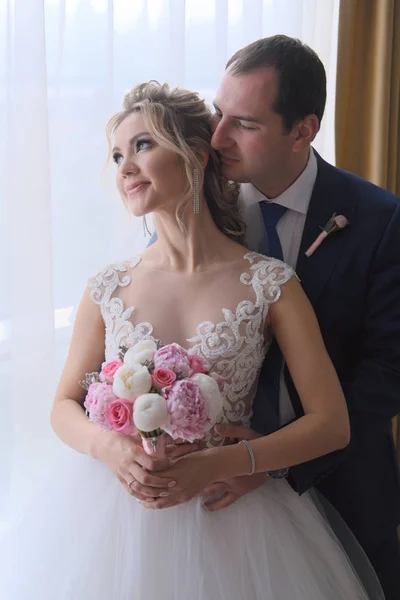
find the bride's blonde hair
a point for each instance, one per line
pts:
(180, 121)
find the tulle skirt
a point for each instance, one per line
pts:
(85, 538)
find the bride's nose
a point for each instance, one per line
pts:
(128, 167)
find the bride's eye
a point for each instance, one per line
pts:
(117, 157)
(142, 144)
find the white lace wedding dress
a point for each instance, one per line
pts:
(85, 538)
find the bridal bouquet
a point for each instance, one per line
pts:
(154, 390)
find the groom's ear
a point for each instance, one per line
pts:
(304, 132)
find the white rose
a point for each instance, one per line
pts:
(131, 381)
(209, 389)
(140, 352)
(150, 412)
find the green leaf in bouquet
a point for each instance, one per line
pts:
(89, 379)
(149, 365)
(121, 352)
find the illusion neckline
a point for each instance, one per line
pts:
(243, 259)
(196, 339)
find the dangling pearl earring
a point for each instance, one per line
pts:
(145, 228)
(196, 193)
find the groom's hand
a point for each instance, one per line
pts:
(237, 431)
(235, 488)
(176, 450)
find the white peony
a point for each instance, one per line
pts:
(150, 412)
(144, 345)
(140, 352)
(209, 390)
(131, 381)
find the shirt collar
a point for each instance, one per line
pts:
(297, 197)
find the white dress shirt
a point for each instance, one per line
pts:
(290, 231)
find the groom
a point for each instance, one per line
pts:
(268, 110)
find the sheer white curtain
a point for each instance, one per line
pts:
(64, 66)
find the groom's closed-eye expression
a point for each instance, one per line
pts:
(249, 135)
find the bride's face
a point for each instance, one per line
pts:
(150, 178)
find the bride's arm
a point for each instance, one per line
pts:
(123, 455)
(325, 426)
(86, 354)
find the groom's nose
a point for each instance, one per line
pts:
(221, 137)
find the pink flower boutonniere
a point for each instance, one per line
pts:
(335, 223)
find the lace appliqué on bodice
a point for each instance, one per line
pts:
(234, 348)
(119, 330)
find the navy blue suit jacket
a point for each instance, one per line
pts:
(353, 283)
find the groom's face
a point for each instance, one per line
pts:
(249, 135)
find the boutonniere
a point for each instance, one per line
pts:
(335, 223)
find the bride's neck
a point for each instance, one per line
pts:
(195, 248)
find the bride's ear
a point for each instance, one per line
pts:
(203, 157)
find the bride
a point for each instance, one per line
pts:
(85, 537)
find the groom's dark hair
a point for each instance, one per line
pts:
(301, 75)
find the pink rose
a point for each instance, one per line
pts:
(188, 412)
(119, 415)
(163, 377)
(98, 398)
(109, 369)
(175, 358)
(196, 364)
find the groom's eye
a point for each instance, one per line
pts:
(246, 127)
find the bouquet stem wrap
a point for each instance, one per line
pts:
(155, 443)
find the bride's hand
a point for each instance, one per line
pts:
(125, 457)
(140, 474)
(231, 490)
(195, 474)
(192, 473)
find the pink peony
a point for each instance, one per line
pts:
(196, 364)
(98, 398)
(163, 377)
(188, 413)
(109, 369)
(119, 415)
(175, 358)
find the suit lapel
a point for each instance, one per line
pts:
(314, 272)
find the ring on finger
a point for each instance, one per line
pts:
(130, 483)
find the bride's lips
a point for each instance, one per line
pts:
(135, 187)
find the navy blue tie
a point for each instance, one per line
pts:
(269, 382)
(272, 213)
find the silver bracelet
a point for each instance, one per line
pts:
(252, 457)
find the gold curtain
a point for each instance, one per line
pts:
(368, 91)
(368, 96)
